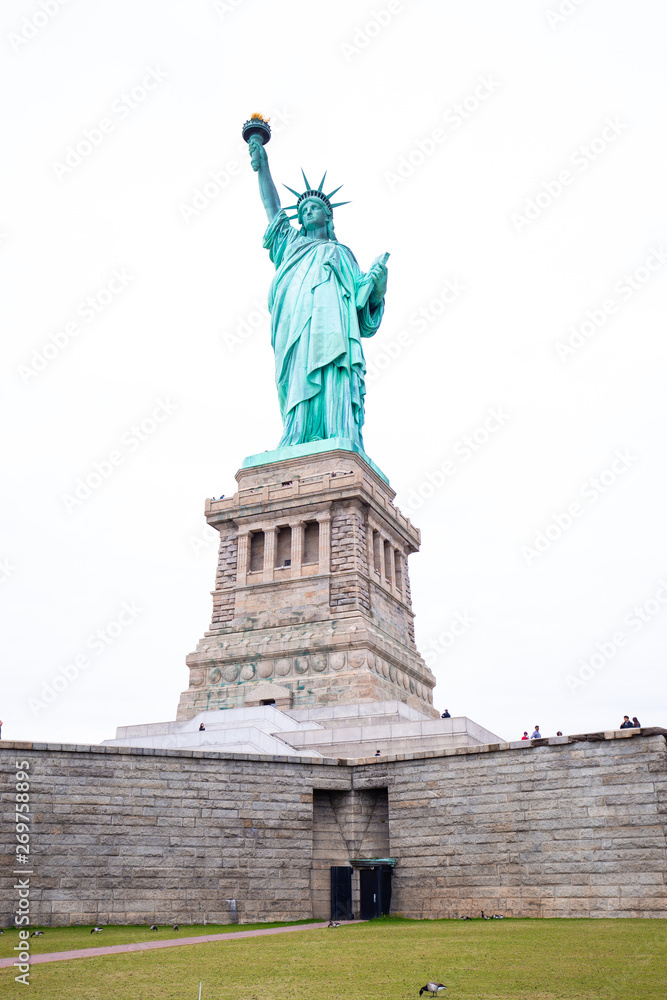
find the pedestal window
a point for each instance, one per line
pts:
(283, 547)
(256, 564)
(311, 542)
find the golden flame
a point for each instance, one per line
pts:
(257, 116)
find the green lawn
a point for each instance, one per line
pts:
(73, 938)
(385, 959)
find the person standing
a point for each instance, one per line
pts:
(626, 724)
(537, 735)
(636, 724)
(525, 735)
(445, 714)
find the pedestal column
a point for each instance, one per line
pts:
(383, 578)
(399, 571)
(370, 552)
(242, 558)
(269, 553)
(389, 567)
(324, 521)
(296, 552)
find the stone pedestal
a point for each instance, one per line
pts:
(312, 596)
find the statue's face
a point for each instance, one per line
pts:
(313, 215)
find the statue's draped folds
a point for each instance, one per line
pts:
(320, 309)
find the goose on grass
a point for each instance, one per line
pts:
(432, 988)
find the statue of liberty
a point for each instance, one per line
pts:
(321, 305)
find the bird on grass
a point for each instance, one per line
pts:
(432, 988)
(333, 923)
(175, 927)
(37, 934)
(498, 916)
(96, 930)
(484, 916)
(153, 927)
(465, 918)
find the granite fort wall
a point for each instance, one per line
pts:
(570, 828)
(165, 836)
(573, 827)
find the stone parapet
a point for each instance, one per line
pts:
(341, 730)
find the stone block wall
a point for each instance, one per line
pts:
(348, 538)
(165, 837)
(225, 578)
(392, 617)
(278, 605)
(571, 827)
(349, 559)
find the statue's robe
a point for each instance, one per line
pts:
(320, 310)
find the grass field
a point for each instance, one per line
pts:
(73, 938)
(387, 959)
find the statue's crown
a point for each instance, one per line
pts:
(312, 192)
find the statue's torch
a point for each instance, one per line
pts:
(257, 127)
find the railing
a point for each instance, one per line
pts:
(310, 486)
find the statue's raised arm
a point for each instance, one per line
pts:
(267, 189)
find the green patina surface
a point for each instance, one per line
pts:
(322, 305)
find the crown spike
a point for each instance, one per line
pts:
(305, 180)
(295, 193)
(322, 182)
(337, 204)
(332, 193)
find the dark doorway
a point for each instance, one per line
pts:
(341, 893)
(375, 891)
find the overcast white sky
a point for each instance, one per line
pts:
(512, 159)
